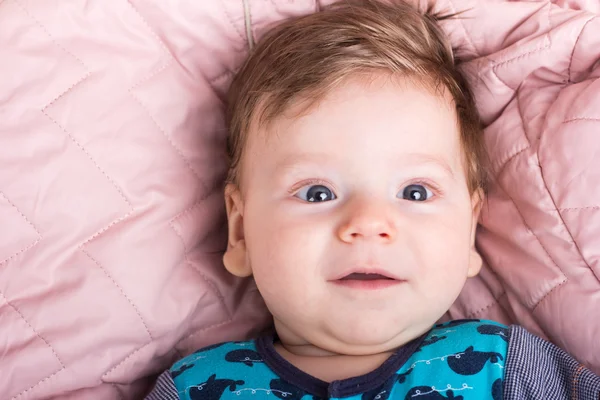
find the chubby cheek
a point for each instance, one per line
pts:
(444, 245)
(285, 254)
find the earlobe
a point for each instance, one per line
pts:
(235, 258)
(475, 263)
(475, 260)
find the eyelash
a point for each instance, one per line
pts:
(437, 191)
(310, 182)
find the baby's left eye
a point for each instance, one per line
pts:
(316, 194)
(416, 192)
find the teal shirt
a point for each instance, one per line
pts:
(459, 360)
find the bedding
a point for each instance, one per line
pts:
(112, 158)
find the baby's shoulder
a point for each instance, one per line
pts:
(233, 352)
(464, 341)
(470, 327)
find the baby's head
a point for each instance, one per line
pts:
(356, 177)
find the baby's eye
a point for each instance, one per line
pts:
(416, 192)
(315, 193)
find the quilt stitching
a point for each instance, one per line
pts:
(188, 262)
(127, 357)
(546, 40)
(552, 289)
(557, 210)
(464, 29)
(32, 329)
(547, 45)
(578, 119)
(496, 301)
(70, 88)
(570, 237)
(162, 68)
(575, 47)
(26, 220)
(89, 156)
(62, 365)
(107, 227)
(526, 225)
(24, 392)
(496, 66)
(179, 152)
(187, 163)
(493, 64)
(202, 330)
(109, 276)
(512, 156)
(231, 21)
(564, 224)
(43, 110)
(579, 208)
(522, 118)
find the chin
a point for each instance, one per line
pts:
(368, 338)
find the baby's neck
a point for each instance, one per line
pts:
(328, 366)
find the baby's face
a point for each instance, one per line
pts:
(369, 182)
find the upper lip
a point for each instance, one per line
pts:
(373, 271)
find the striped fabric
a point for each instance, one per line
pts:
(537, 369)
(164, 388)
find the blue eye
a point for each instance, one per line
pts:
(315, 194)
(416, 192)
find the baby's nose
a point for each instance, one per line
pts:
(367, 220)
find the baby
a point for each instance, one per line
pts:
(357, 176)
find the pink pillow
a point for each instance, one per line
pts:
(112, 161)
(111, 170)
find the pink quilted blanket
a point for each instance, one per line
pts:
(112, 161)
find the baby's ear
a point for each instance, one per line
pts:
(475, 261)
(235, 257)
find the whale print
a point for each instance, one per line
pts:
(471, 361)
(213, 388)
(401, 378)
(247, 357)
(284, 390)
(494, 330)
(497, 389)
(181, 370)
(456, 323)
(429, 341)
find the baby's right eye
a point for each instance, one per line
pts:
(315, 194)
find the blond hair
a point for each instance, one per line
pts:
(306, 57)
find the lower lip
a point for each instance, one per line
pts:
(374, 284)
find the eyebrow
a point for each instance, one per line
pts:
(296, 159)
(291, 161)
(431, 159)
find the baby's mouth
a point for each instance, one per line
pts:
(357, 276)
(366, 281)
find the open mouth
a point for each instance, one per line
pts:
(357, 276)
(367, 281)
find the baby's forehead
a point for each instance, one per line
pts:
(410, 122)
(270, 108)
(270, 117)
